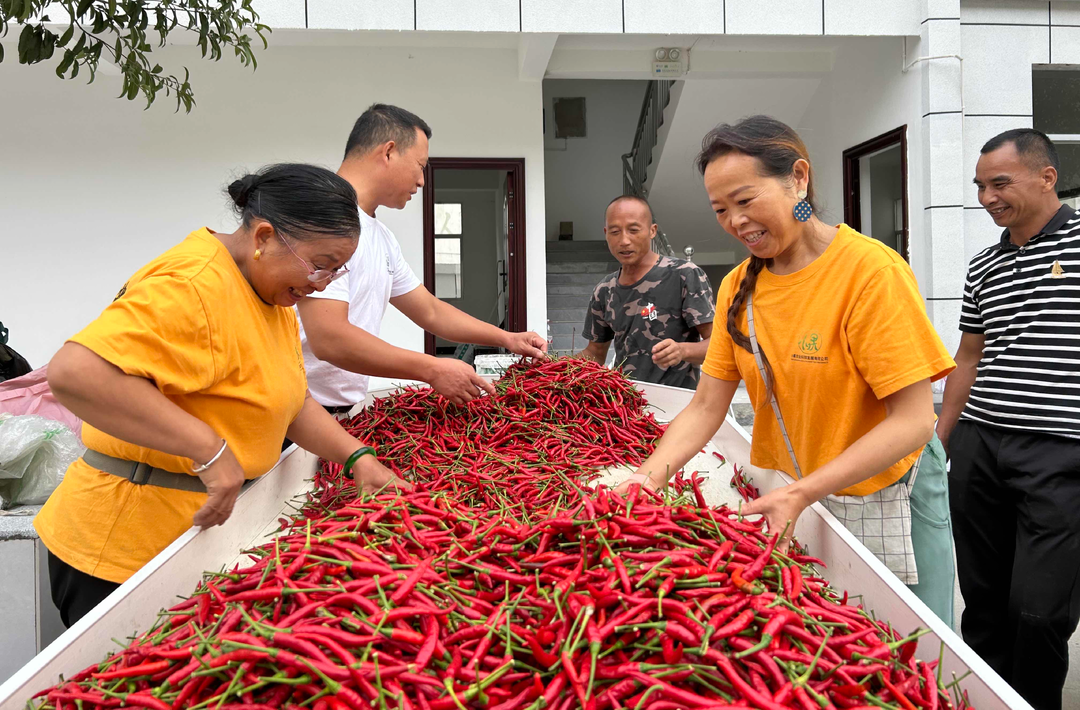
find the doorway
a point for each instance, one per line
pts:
(474, 241)
(875, 189)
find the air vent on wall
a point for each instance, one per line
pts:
(570, 117)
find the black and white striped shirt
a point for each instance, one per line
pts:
(1026, 300)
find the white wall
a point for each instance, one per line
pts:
(836, 17)
(583, 174)
(94, 187)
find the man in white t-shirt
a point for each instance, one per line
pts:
(384, 161)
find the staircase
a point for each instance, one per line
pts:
(637, 162)
(573, 271)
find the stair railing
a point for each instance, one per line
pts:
(636, 163)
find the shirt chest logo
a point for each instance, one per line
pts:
(1056, 272)
(810, 343)
(809, 348)
(649, 312)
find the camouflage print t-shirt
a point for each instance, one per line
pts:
(668, 302)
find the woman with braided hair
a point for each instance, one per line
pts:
(828, 330)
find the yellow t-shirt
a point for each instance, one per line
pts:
(841, 335)
(190, 323)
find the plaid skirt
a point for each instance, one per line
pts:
(882, 522)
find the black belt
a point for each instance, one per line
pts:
(345, 409)
(143, 474)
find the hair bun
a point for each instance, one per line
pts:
(240, 190)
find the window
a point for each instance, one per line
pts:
(1055, 93)
(447, 250)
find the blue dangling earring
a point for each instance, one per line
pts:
(802, 209)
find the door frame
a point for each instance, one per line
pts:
(515, 236)
(852, 197)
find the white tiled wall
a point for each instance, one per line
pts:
(675, 16)
(1064, 12)
(997, 66)
(871, 17)
(280, 14)
(947, 270)
(571, 16)
(468, 15)
(774, 17)
(1006, 12)
(943, 8)
(691, 17)
(1065, 44)
(944, 140)
(351, 15)
(941, 77)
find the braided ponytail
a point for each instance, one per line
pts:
(746, 288)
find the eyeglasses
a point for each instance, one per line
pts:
(317, 275)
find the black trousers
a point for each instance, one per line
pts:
(75, 593)
(1015, 500)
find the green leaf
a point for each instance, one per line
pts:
(65, 63)
(117, 30)
(26, 39)
(48, 45)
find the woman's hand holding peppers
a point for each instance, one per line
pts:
(781, 509)
(372, 476)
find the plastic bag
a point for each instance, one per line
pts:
(30, 394)
(35, 452)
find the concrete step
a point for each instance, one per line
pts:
(568, 327)
(581, 267)
(567, 315)
(585, 253)
(584, 290)
(562, 344)
(562, 301)
(586, 278)
(579, 245)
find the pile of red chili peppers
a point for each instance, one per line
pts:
(551, 427)
(453, 598)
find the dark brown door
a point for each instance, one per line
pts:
(511, 264)
(879, 160)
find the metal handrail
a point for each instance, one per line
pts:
(636, 162)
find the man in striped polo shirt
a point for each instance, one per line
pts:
(1015, 478)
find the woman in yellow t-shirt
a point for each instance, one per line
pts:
(191, 378)
(846, 348)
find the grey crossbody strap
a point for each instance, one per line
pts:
(765, 378)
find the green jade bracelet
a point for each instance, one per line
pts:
(362, 451)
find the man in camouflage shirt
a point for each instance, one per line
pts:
(658, 310)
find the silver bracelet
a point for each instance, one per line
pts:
(200, 468)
